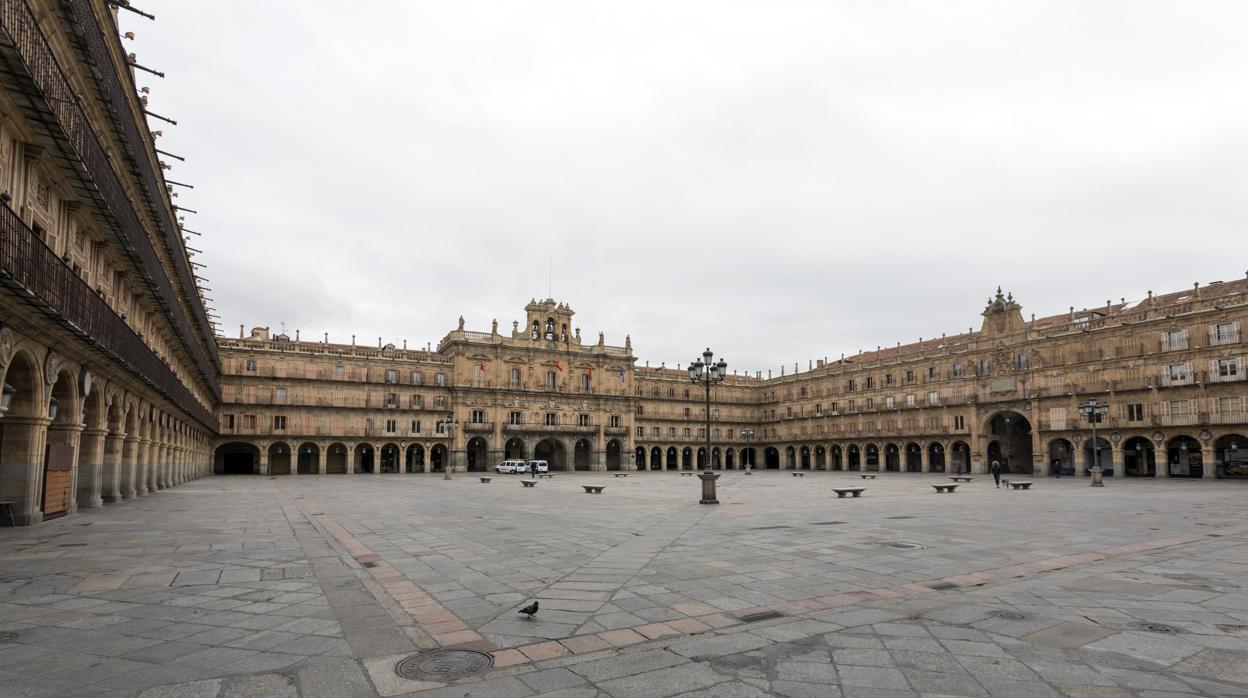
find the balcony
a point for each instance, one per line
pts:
(1174, 343)
(479, 427)
(1229, 417)
(1179, 420)
(1218, 339)
(616, 431)
(32, 270)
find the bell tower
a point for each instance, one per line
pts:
(549, 321)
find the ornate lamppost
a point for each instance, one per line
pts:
(1094, 410)
(706, 373)
(449, 425)
(748, 435)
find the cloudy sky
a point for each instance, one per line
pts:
(780, 181)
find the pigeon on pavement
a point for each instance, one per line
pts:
(530, 610)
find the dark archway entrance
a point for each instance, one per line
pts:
(238, 459)
(364, 458)
(478, 455)
(936, 458)
(583, 453)
(1013, 438)
(613, 455)
(1139, 458)
(853, 458)
(514, 449)
(389, 461)
(892, 458)
(672, 459)
(336, 459)
(686, 459)
(1104, 452)
(553, 452)
(640, 455)
(1061, 457)
(960, 457)
(1231, 454)
(836, 458)
(414, 459)
(873, 458)
(279, 459)
(771, 458)
(437, 458)
(309, 459)
(1183, 458)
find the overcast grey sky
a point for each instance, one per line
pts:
(779, 181)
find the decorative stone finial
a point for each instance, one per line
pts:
(461, 323)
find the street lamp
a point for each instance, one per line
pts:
(748, 434)
(449, 425)
(1093, 411)
(706, 373)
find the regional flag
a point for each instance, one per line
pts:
(559, 365)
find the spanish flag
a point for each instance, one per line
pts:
(559, 365)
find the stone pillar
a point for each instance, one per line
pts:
(110, 479)
(142, 464)
(598, 460)
(925, 462)
(127, 468)
(377, 459)
(1118, 459)
(350, 460)
(91, 468)
(22, 471)
(264, 460)
(321, 455)
(1208, 462)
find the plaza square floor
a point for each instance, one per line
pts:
(319, 585)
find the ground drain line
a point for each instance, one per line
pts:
(758, 617)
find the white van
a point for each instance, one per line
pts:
(542, 466)
(511, 466)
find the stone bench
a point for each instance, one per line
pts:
(545, 475)
(593, 489)
(621, 474)
(945, 488)
(1020, 484)
(961, 478)
(687, 474)
(846, 491)
(528, 483)
(867, 476)
(486, 480)
(799, 474)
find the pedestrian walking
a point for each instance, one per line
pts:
(996, 473)
(958, 470)
(533, 469)
(1057, 468)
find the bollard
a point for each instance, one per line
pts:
(1096, 477)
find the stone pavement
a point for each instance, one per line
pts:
(319, 585)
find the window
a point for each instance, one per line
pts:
(957, 370)
(585, 382)
(391, 426)
(818, 409)
(888, 402)
(550, 380)
(279, 422)
(1179, 373)
(227, 421)
(871, 403)
(251, 364)
(641, 432)
(515, 378)
(551, 419)
(1231, 406)
(834, 407)
(909, 376)
(702, 433)
(613, 420)
(1180, 408)
(641, 410)
(959, 423)
(888, 379)
(439, 427)
(279, 395)
(1174, 339)
(439, 401)
(983, 367)
(477, 416)
(1228, 368)
(1135, 412)
(1057, 417)
(671, 432)
(439, 378)
(515, 418)
(802, 392)
(851, 405)
(1224, 333)
(1020, 362)
(417, 378)
(686, 413)
(870, 382)
(582, 420)
(851, 385)
(415, 426)
(392, 399)
(339, 370)
(686, 393)
(910, 400)
(415, 401)
(933, 398)
(671, 392)
(688, 432)
(656, 431)
(249, 421)
(392, 376)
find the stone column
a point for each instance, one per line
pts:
(321, 455)
(264, 460)
(925, 462)
(598, 460)
(110, 479)
(377, 459)
(350, 460)
(142, 464)
(1208, 462)
(91, 468)
(127, 467)
(22, 473)
(1118, 459)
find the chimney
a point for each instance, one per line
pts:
(327, 338)
(296, 335)
(1196, 289)
(405, 345)
(240, 331)
(352, 340)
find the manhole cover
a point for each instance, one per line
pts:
(443, 665)
(902, 545)
(7, 637)
(756, 617)
(1008, 615)
(1159, 628)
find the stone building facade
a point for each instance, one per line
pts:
(1171, 367)
(108, 362)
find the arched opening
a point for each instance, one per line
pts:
(61, 453)
(805, 458)
(639, 458)
(478, 454)
(1013, 432)
(656, 458)
(437, 458)
(716, 458)
(892, 458)
(914, 458)
(1139, 458)
(1231, 454)
(514, 449)
(790, 458)
(583, 455)
(309, 459)
(388, 460)
(701, 458)
(110, 487)
(1102, 453)
(553, 452)
(673, 462)
(872, 458)
(1183, 458)
(414, 459)
(771, 458)
(279, 459)
(748, 457)
(959, 457)
(1061, 457)
(836, 458)
(613, 455)
(336, 459)
(821, 458)
(237, 458)
(853, 458)
(730, 459)
(686, 459)
(936, 457)
(364, 458)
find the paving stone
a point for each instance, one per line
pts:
(664, 682)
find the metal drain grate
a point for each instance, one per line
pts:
(1161, 628)
(756, 617)
(370, 564)
(7, 637)
(1008, 615)
(942, 586)
(443, 665)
